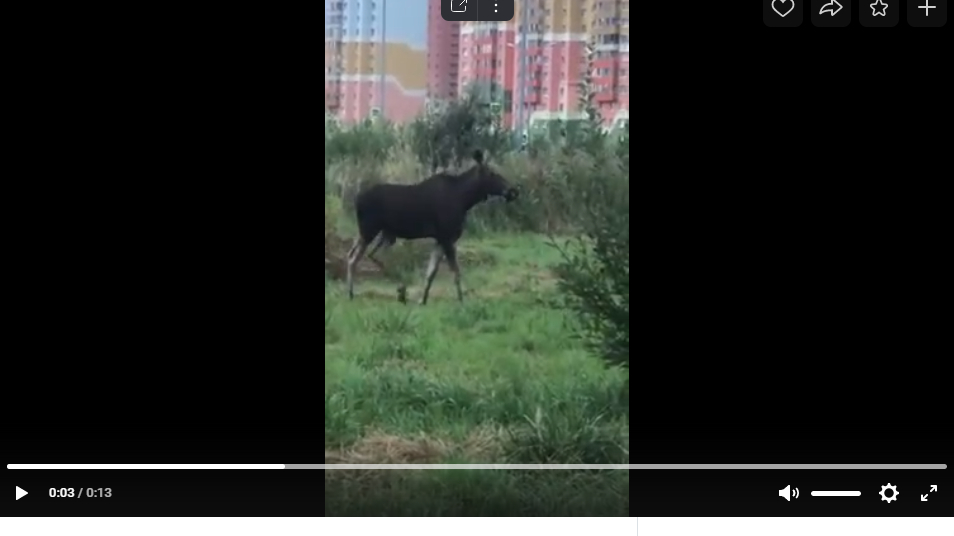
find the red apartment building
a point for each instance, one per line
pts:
(558, 33)
(443, 54)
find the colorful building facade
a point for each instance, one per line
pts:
(562, 38)
(558, 35)
(365, 77)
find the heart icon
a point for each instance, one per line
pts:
(789, 3)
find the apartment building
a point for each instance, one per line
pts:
(443, 54)
(488, 61)
(608, 27)
(364, 76)
(558, 33)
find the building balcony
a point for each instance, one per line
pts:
(606, 95)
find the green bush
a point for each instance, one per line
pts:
(594, 277)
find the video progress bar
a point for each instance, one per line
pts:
(619, 466)
(138, 466)
(775, 466)
(180, 466)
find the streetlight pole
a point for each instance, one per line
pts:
(521, 70)
(384, 20)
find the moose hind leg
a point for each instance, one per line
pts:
(357, 251)
(385, 241)
(431, 272)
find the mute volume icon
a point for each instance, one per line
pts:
(787, 492)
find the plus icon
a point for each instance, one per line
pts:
(925, 13)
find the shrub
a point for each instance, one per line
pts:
(594, 275)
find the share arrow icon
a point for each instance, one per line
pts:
(832, 7)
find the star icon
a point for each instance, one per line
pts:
(879, 8)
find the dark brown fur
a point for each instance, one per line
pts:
(434, 208)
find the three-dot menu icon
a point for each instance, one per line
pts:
(496, 10)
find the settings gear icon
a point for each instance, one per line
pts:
(894, 493)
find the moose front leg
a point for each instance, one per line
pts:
(432, 267)
(450, 251)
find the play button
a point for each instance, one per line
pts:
(20, 493)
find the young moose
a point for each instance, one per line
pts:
(434, 208)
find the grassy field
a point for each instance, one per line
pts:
(497, 379)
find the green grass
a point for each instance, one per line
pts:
(497, 379)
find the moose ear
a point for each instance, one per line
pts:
(478, 156)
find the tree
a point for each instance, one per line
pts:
(451, 131)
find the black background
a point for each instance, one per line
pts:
(792, 297)
(162, 272)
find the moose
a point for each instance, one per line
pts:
(433, 208)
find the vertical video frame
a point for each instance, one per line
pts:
(476, 260)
